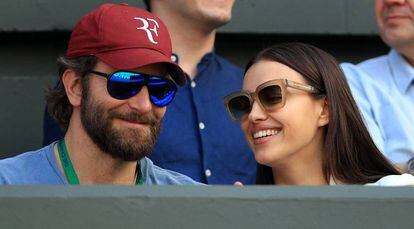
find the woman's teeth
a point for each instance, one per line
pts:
(265, 133)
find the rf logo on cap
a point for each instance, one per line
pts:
(146, 23)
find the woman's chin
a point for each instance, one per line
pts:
(263, 159)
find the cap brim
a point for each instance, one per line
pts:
(135, 58)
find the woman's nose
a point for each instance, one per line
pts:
(257, 113)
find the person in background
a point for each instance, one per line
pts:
(197, 137)
(115, 82)
(299, 118)
(383, 87)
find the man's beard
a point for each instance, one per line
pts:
(127, 144)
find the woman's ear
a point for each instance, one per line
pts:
(324, 115)
(73, 87)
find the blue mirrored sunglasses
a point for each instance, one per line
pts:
(125, 84)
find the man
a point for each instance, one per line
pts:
(384, 86)
(114, 87)
(197, 137)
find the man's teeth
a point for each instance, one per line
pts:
(265, 133)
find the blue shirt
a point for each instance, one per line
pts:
(383, 88)
(40, 167)
(197, 137)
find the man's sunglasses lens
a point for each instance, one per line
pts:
(239, 106)
(270, 95)
(124, 85)
(161, 92)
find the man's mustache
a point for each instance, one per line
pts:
(142, 118)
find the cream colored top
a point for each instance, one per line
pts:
(390, 180)
(395, 180)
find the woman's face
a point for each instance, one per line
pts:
(293, 132)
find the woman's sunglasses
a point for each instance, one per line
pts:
(125, 84)
(271, 94)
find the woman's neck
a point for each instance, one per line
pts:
(299, 174)
(304, 167)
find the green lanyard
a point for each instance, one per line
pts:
(70, 171)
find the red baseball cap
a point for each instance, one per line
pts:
(124, 37)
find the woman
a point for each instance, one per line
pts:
(300, 120)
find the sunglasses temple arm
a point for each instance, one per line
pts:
(100, 74)
(302, 87)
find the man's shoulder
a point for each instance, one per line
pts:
(25, 168)
(374, 65)
(21, 160)
(159, 176)
(372, 75)
(366, 75)
(353, 74)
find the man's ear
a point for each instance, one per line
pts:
(72, 83)
(324, 115)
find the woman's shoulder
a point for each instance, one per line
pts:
(395, 180)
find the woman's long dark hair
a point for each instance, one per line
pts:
(350, 155)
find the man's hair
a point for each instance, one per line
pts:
(58, 104)
(148, 5)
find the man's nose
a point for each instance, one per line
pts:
(141, 101)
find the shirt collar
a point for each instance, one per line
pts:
(401, 70)
(206, 58)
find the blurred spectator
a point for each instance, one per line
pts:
(383, 87)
